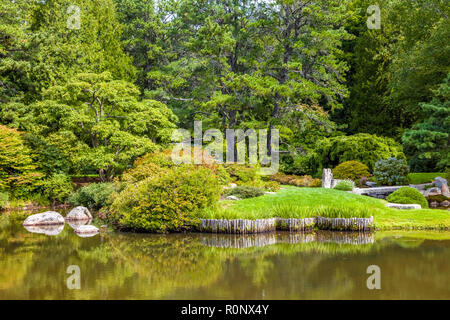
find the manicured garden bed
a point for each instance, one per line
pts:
(294, 202)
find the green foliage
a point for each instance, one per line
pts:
(395, 68)
(344, 185)
(4, 197)
(407, 195)
(391, 172)
(18, 172)
(100, 123)
(168, 202)
(57, 187)
(223, 176)
(428, 143)
(242, 173)
(93, 196)
(361, 147)
(352, 170)
(245, 192)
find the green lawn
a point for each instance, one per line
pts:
(298, 202)
(424, 177)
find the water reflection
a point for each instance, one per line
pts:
(261, 240)
(200, 266)
(51, 230)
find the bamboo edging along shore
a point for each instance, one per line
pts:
(242, 226)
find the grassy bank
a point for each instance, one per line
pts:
(293, 202)
(424, 177)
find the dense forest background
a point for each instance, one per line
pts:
(94, 84)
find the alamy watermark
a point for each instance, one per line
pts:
(74, 280)
(374, 21)
(250, 146)
(374, 281)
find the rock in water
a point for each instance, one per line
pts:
(79, 213)
(439, 182)
(76, 223)
(86, 231)
(44, 219)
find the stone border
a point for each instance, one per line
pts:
(242, 226)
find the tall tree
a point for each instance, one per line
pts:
(99, 122)
(428, 143)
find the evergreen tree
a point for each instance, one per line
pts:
(428, 143)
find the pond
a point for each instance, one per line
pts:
(317, 265)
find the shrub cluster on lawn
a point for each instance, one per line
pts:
(168, 202)
(351, 170)
(298, 181)
(407, 195)
(94, 195)
(245, 192)
(344, 185)
(160, 196)
(391, 172)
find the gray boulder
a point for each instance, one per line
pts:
(79, 213)
(439, 182)
(44, 219)
(371, 184)
(445, 203)
(234, 198)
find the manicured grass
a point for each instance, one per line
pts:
(424, 177)
(294, 202)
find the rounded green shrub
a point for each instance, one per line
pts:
(168, 202)
(245, 192)
(407, 195)
(57, 187)
(345, 185)
(391, 172)
(351, 170)
(93, 196)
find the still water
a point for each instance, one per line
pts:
(414, 265)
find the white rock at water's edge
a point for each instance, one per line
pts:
(403, 206)
(44, 219)
(79, 213)
(86, 229)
